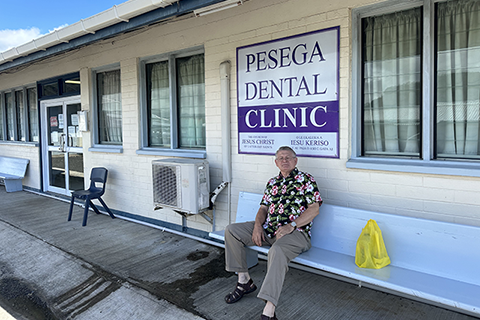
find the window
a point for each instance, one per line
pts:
(2, 126)
(175, 104)
(391, 60)
(458, 80)
(72, 85)
(33, 114)
(19, 116)
(191, 102)
(158, 104)
(109, 107)
(10, 108)
(50, 89)
(20, 109)
(418, 83)
(65, 85)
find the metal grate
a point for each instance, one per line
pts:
(166, 185)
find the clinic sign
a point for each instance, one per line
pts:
(288, 94)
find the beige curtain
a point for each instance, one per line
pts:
(109, 107)
(458, 79)
(159, 105)
(392, 49)
(191, 101)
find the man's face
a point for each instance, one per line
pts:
(286, 161)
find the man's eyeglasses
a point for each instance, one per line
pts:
(286, 158)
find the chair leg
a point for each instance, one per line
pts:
(106, 208)
(85, 213)
(71, 209)
(94, 207)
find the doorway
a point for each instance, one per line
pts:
(62, 145)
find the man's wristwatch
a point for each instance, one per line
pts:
(294, 225)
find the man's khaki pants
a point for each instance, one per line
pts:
(239, 235)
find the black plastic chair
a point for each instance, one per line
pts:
(97, 176)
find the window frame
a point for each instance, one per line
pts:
(60, 83)
(174, 149)
(427, 163)
(96, 145)
(25, 127)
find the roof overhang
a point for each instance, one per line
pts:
(119, 19)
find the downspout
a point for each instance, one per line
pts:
(226, 131)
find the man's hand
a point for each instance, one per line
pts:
(306, 217)
(284, 230)
(258, 235)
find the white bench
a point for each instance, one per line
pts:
(12, 171)
(431, 261)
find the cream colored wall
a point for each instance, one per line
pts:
(25, 151)
(446, 198)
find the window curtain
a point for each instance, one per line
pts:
(458, 79)
(33, 113)
(392, 47)
(159, 105)
(109, 107)
(20, 109)
(191, 101)
(1, 115)
(10, 116)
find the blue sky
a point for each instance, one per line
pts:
(23, 20)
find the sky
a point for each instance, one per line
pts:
(24, 20)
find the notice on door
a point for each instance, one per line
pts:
(61, 123)
(288, 94)
(53, 121)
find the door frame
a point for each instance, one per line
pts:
(44, 104)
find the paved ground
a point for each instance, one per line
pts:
(116, 269)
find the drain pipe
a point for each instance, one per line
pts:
(226, 131)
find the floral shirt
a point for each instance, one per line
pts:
(287, 198)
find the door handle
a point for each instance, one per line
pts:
(62, 142)
(70, 141)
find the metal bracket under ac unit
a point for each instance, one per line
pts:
(186, 215)
(203, 214)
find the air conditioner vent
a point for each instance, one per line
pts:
(182, 184)
(166, 176)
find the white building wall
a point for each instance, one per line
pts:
(445, 198)
(25, 151)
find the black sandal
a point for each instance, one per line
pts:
(264, 317)
(239, 291)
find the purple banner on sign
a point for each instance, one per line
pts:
(304, 117)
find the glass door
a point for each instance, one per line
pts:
(62, 146)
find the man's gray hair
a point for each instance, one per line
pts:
(286, 148)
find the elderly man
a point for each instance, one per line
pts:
(290, 203)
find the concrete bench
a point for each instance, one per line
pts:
(12, 171)
(431, 261)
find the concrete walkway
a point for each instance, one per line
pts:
(116, 269)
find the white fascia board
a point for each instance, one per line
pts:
(109, 17)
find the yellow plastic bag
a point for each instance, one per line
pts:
(371, 252)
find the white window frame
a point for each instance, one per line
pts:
(96, 146)
(174, 150)
(427, 164)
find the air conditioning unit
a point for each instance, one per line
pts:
(181, 184)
